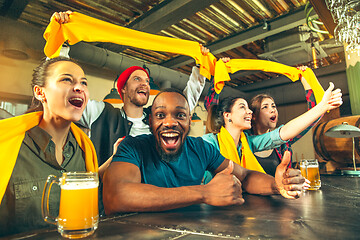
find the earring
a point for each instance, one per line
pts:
(42, 100)
(230, 120)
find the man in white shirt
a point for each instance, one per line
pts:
(108, 124)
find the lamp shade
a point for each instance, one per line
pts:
(113, 97)
(15, 48)
(195, 118)
(343, 130)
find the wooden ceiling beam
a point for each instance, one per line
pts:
(324, 13)
(13, 9)
(169, 13)
(258, 32)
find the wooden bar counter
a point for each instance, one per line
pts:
(333, 212)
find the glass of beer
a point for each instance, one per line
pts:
(310, 170)
(78, 210)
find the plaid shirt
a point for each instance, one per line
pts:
(213, 98)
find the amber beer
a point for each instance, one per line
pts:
(78, 210)
(310, 170)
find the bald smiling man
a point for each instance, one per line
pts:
(164, 170)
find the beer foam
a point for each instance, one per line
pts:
(79, 185)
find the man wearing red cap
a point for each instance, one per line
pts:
(108, 123)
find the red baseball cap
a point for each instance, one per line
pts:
(124, 76)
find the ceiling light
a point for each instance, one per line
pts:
(113, 96)
(15, 48)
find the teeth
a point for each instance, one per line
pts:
(76, 99)
(170, 134)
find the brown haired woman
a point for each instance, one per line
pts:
(265, 119)
(43, 142)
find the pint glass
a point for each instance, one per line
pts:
(78, 210)
(310, 170)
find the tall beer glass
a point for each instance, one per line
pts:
(310, 170)
(78, 210)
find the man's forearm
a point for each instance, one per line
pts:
(138, 197)
(259, 183)
(255, 182)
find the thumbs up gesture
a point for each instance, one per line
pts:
(289, 181)
(224, 189)
(332, 98)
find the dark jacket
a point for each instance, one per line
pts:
(111, 125)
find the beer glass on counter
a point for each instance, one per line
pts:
(310, 170)
(78, 210)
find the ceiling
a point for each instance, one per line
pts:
(252, 29)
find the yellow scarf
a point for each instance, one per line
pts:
(84, 28)
(12, 135)
(234, 65)
(229, 150)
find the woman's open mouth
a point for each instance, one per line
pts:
(248, 119)
(76, 101)
(273, 118)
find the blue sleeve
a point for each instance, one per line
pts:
(127, 152)
(265, 141)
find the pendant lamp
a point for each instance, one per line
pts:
(113, 96)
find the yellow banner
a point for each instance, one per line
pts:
(84, 28)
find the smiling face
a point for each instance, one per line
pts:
(65, 92)
(240, 115)
(137, 89)
(268, 115)
(170, 124)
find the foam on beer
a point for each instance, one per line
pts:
(77, 185)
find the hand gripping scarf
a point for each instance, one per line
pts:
(83, 28)
(12, 135)
(229, 151)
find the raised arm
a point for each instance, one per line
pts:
(311, 102)
(305, 84)
(124, 192)
(195, 85)
(331, 100)
(212, 97)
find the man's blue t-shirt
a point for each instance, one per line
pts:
(197, 156)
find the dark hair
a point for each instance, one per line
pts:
(170, 90)
(39, 78)
(255, 105)
(215, 118)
